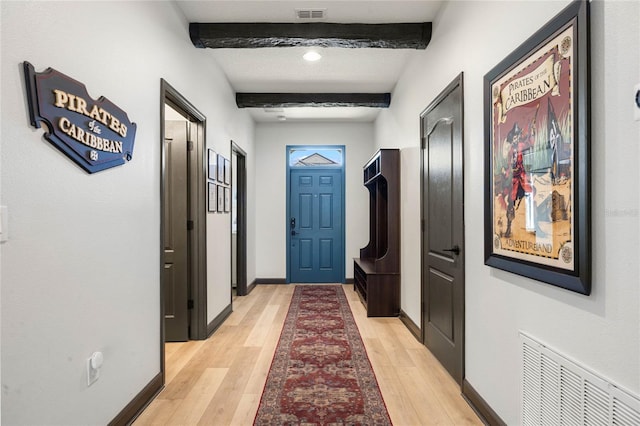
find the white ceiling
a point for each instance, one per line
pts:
(339, 70)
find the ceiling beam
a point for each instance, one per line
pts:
(253, 35)
(287, 100)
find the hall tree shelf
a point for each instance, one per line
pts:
(377, 270)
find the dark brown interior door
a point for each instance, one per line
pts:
(443, 233)
(175, 205)
(239, 215)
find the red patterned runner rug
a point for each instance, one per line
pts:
(320, 374)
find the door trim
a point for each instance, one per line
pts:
(197, 207)
(140, 401)
(342, 213)
(458, 81)
(241, 216)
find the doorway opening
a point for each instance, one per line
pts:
(183, 221)
(315, 214)
(238, 222)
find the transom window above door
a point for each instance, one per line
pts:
(315, 157)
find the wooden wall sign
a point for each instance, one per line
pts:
(95, 134)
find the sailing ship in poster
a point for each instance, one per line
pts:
(532, 156)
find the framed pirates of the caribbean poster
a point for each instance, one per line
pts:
(537, 189)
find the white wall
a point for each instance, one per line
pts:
(81, 270)
(602, 331)
(271, 141)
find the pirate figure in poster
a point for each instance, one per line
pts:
(515, 182)
(530, 159)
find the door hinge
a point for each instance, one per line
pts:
(189, 145)
(423, 143)
(190, 304)
(189, 225)
(421, 225)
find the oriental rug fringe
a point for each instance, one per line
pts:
(320, 373)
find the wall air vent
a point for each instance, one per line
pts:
(558, 391)
(311, 14)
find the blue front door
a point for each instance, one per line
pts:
(315, 226)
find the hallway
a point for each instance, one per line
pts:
(81, 271)
(220, 380)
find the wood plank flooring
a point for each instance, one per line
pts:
(219, 381)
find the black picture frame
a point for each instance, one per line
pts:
(212, 197)
(227, 199)
(537, 155)
(220, 168)
(227, 171)
(220, 198)
(212, 164)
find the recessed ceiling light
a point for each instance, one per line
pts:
(312, 56)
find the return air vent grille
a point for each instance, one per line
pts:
(571, 399)
(557, 391)
(308, 14)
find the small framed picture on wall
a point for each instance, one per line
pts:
(212, 164)
(227, 199)
(212, 199)
(227, 171)
(220, 168)
(220, 198)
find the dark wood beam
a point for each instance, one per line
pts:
(285, 100)
(253, 35)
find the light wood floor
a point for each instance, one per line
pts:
(219, 381)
